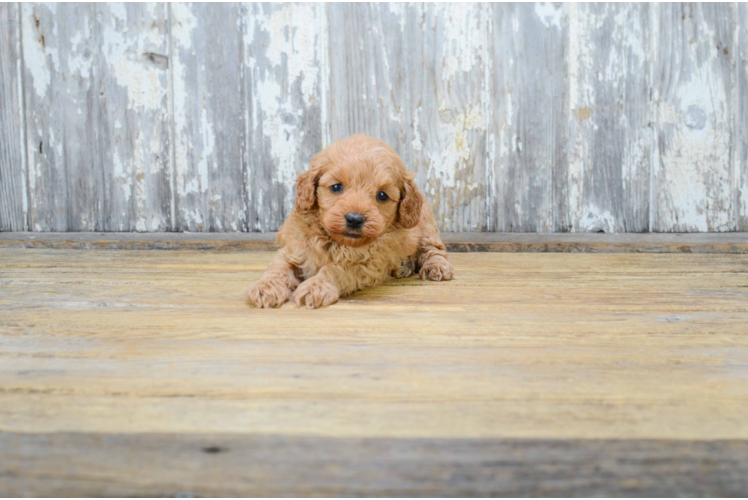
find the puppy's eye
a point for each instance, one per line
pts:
(382, 196)
(336, 188)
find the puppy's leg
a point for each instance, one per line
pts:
(322, 289)
(276, 285)
(432, 259)
(432, 254)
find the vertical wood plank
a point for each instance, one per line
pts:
(369, 80)
(65, 188)
(209, 116)
(694, 89)
(133, 117)
(742, 118)
(97, 117)
(13, 202)
(284, 72)
(527, 136)
(415, 76)
(611, 116)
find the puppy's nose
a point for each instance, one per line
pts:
(355, 220)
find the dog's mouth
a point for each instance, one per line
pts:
(351, 237)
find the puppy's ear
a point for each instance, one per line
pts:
(410, 204)
(306, 185)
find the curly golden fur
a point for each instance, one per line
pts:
(358, 218)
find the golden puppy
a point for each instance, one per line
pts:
(358, 217)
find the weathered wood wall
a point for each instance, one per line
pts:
(516, 117)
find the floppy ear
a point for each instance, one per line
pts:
(410, 204)
(306, 186)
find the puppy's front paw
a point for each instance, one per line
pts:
(437, 268)
(316, 292)
(268, 293)
(406, 268)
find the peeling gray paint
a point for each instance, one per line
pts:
(515, 117)
(610, 117)
(284, 65)
(209, 116)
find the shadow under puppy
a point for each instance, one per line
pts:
(358, 217)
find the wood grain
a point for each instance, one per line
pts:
(527, 139)
(219, 465)
(728, 243)
(209, 116)
(741, 123)
(284, 77)
(373, 60)
(98, 122)
(522, 118)
(610, 61)
(59, 52)
(13, 201)
(144, 372)
(518, 346)
(415, 75)
(132, 113)
(694, 81)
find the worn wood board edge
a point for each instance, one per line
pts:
(141, 241)
(727, 243)
(194, 465)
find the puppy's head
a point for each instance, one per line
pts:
(361, 190)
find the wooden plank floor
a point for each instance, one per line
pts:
(143, 372)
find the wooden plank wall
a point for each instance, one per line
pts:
(741, 120)
(515, 117)
(13, 201)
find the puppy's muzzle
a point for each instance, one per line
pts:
(354, 220)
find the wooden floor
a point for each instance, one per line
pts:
(144, 373)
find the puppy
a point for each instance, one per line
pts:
(358, 218)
